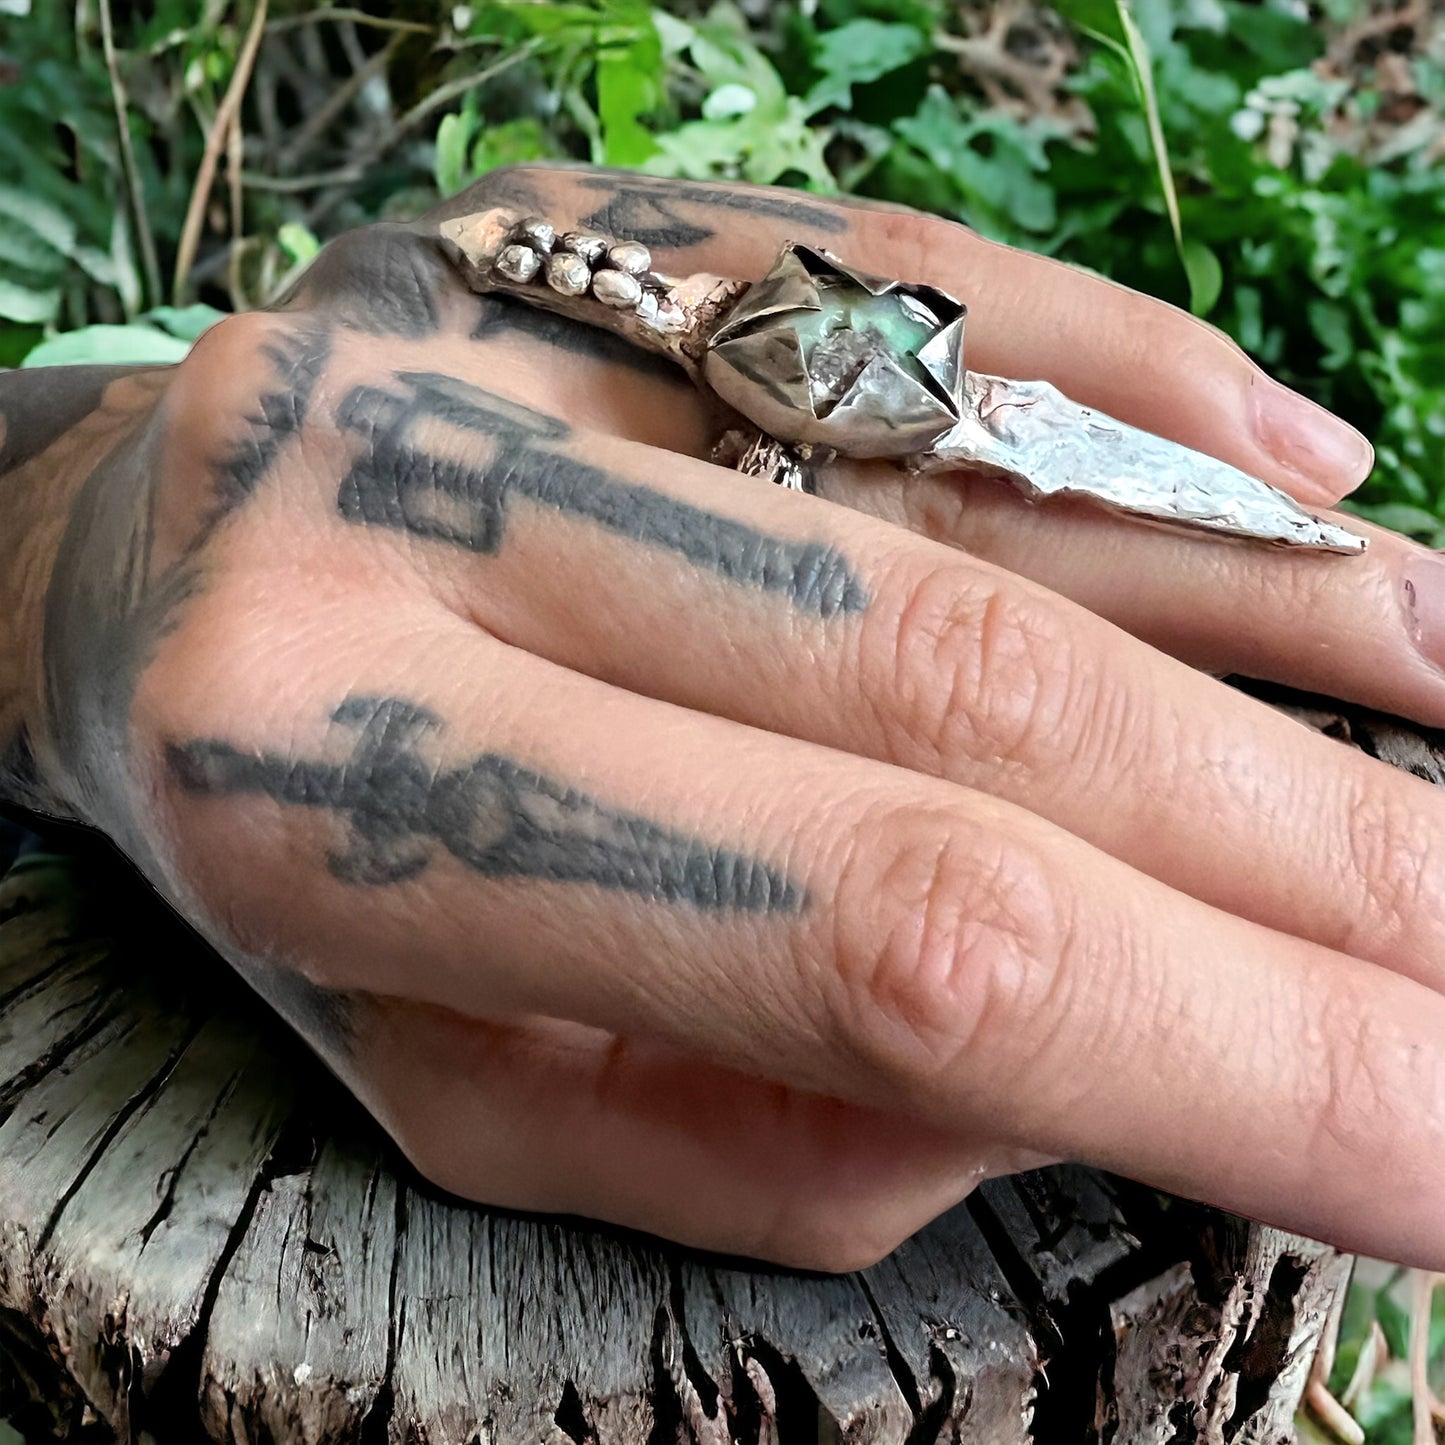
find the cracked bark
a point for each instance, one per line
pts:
(201, 1237)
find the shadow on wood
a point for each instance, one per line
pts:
(202, 1237)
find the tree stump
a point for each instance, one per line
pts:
(203, 1238)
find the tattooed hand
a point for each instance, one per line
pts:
(764, 870)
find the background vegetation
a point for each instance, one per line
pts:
(1274, 165)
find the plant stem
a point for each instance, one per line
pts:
(356, 17)
(150, 262)
(215, 144)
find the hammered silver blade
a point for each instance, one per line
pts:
(1030, 433)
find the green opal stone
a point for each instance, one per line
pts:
(854, 324)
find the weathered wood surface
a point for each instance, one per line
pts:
(201, 1238)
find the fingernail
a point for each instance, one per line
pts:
(1309, 441)
(1424, 590)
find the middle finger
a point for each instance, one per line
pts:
(675, 579)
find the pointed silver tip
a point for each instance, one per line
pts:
(1324, 536)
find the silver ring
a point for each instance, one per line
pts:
(825, 359)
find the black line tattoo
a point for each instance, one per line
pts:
(299, 361)
(504, 315)
(397, 482)
(643, 209)
(499, 819)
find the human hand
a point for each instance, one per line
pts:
(643, 842)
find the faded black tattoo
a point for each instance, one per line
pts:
(397, 482)
(299, 360)
(383, 279)
(20, 781)
(644, 210)
(325, 1017)
(42, 404)
(498, 818)
(107, 610)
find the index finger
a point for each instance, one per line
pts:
(1030, 317)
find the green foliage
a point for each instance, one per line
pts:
(1371, 1373)
(1218, 153)
(70, 250)
(157, 337)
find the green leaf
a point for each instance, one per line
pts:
(453, 137)
(523, 139)
(1387, 1412)
(1399, 517)
(16, 342)
(47, 222)
(185, 322)
(924, 14)
(1280, 37)
(553, 20)
(762, 146)
(23, 249)
(111, 345)
(22, 303)
(857, 53)
(629, 64)
(1330, 323)
(625, 93)
(991, 160)
(1206, 276)
(299, 244)
(100, 266)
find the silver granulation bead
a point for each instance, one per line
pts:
(632, 258)
(616, 288)
(537, 232)
(568, 275)
(517, 262)
(586, 244)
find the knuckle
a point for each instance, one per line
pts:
(954, 964)
(1392, 850)
(221, 376)
(976, 670)
(249, 388)
(387, 278)
(1357, 1080)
